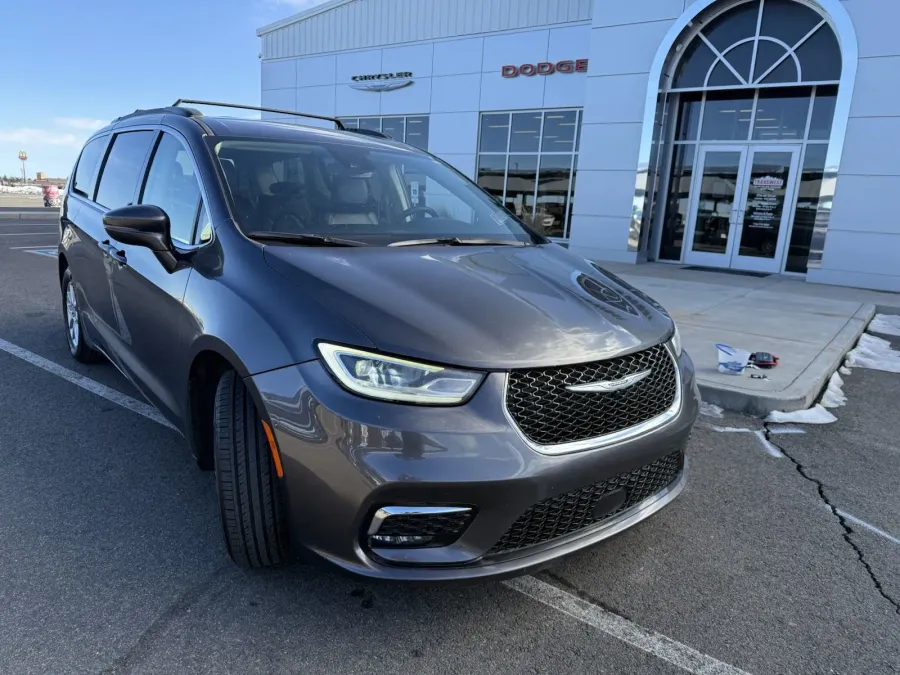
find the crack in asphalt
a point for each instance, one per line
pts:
(848, 530)
(180, 606)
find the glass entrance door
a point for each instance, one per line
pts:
(767, 201)
(742, 198)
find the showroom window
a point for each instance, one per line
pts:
(411, 129)
(527, 162)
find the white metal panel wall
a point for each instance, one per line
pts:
(862, 247)
(370, 23)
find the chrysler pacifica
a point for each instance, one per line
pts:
(380, 363)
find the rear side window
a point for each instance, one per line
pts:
(172, 186)
(87, 167)
(122, 170)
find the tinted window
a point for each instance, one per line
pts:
(172, 186)
(372, 194)
(87, 166)
(122, 169)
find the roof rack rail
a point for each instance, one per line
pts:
(337, 122)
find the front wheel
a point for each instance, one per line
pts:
(250, 502)
(75, 337)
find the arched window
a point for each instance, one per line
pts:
(759, 43)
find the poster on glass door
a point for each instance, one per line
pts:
(765, 202)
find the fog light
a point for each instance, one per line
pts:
(418, 526)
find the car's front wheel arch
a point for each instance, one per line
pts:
(207, 368)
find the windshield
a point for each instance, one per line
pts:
(373, 195)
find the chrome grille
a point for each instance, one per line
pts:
(549, 414)
(573, 511)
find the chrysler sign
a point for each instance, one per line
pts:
(546, 68)
(382, 81)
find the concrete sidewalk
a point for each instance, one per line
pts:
(810, 327)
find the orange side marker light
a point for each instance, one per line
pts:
(276, 457)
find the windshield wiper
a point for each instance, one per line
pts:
(459, 241)
(303, 239)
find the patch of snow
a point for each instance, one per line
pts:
(873, 352)
(834, 396)
(814, 415)
(886, 324)
(710, 410)
(21, 189)
(844, 370)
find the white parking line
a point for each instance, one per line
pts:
(17, 248)
(660, 646)
(759, 433)
(868, 526)
(87, 383)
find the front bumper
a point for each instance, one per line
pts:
(345, 456)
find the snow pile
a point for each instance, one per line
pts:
(873, 352)
(834, 396)
(844, 370)
(21, 189)
(814, 415)
(886, 324)
(710, 410)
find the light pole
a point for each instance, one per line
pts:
(24, 157)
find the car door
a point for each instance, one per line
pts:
(148, 290)
(82, 234)
(117, 185)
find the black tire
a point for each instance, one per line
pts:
(250, 502)
(79, 347)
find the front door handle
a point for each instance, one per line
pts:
(114, 253)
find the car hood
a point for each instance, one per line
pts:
(487, 307)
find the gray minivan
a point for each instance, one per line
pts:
(381, 364)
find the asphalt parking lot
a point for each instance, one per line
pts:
(111, 558)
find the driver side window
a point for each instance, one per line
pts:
(172, 186)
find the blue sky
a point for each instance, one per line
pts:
(70, 67)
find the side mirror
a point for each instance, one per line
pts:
(139, 225)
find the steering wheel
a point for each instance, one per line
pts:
(419, 209)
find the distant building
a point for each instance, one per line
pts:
(41, 175)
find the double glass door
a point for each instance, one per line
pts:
(742, 198)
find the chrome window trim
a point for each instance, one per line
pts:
(837, 17)
(386, 512)
(606, 440)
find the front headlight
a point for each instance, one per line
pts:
(393, 379)
(676, 341)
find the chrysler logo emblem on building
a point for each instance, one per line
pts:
(382, 81)
(611, 385)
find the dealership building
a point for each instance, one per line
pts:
(752, 135)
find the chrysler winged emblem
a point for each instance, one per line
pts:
(612, 385)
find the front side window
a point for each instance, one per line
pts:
(122, 170)
(87, 167)
(371, 194)
(172, 186)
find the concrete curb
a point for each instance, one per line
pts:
(50, 215)
(805, 389)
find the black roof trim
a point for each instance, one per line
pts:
(170, 110)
